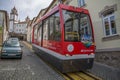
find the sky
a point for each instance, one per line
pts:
(25, 8)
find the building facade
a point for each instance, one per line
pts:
(4, 19)
(31, 24)
(30, 29)
(18, 28)
(13, 19)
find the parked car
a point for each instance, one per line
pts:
(11, 49)
(13, 39)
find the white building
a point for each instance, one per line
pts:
(20, 27)
(17, 28)
(13, 19)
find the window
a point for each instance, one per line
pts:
(45, 30)
(39, 32)
(81, 3)
(77, 26)
(57, 28)
(51, 27)
(35, 32)
(109, 25)
(54, 27)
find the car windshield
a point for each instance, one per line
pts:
(13, 39)
(11, 44)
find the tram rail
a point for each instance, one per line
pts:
(80, 76)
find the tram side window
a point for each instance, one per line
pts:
(35, 33)
(39, 32)
(51, 27)
(57, 28)
(55, 33)
(45, 30)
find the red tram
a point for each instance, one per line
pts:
(64, 38)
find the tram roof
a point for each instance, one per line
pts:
(62, 6)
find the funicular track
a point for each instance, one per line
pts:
(80, 76)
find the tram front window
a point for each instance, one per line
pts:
(77, 26)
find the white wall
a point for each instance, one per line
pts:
(21, 28)
(11, 26)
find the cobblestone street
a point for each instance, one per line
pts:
(30, 67)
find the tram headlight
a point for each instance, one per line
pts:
(67, 55)
(92, 54)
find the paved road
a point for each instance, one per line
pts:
(30, 67)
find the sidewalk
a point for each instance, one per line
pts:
(27, 44)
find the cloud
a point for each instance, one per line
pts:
(30, 7)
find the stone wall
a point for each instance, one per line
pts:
(110, 58)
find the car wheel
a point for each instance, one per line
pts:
(21, 56)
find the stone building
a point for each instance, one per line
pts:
(4, 19)
(31, 23)
(13, 19)
(18, 28)
(30, 29)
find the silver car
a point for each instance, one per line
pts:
(11, 49)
